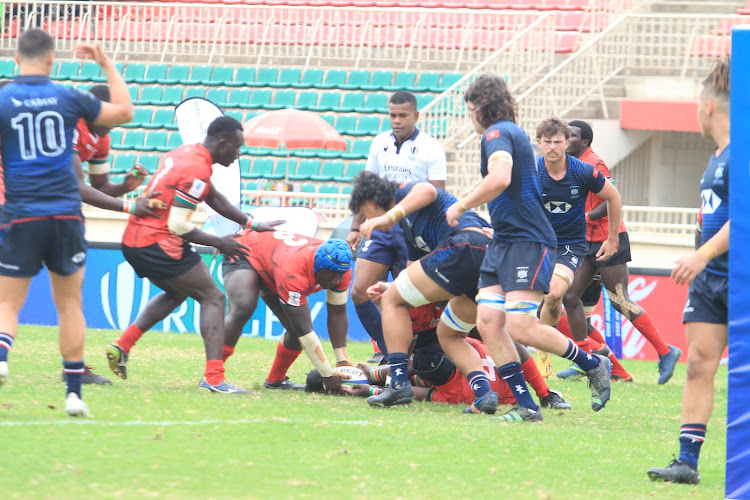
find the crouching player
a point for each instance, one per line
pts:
(285, 268)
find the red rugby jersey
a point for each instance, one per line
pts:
(90, 147)
(597, 230)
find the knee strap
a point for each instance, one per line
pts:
(527, 307)
(493, 300)
(409, 292)
(454, 322)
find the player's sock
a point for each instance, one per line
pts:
(644, 325)
(6, 342)
(584, 345)
(597, 336)
(564, 327)
(129, 337)
(583, 359)
(617, 369)
(375, 347)
(379, 374)
(534, 378)
(369, 316)
(512, 373)
(399, 362)
(692, 437)
(73, 371)
(281, 363)
(226, 352)
(214, 374)
(479, 383)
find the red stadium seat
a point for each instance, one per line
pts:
(711, 46)
(566, 43)
(534, 4)
(575, 4)
(746, 10)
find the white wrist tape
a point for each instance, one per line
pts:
(179, 220)
(311, 345)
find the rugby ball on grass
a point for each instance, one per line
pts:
(356, 376)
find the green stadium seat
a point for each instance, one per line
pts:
(8, 68)
(176, 74)
(260, 98)
(124, 162)
(404, 81)
(67, 70)
(245, 76)
(346, 190)
(132, 139)
(311, 78)
(360, 150)
(255, 151)
(195, 92)
(245, 165)
(307, 187)
(102, 78)
(426, 82)
(351, 172)
(172, 96)
(282, 99)
(329, 118)
(305, 170)
(331, 169)
(174, 141)
(89, 71)
(150, 162)
(220, 76)
(423, 100)
(150, 94)
(163, 118)
(155, 140)
(154, 73)
(353, 101)
(307, 99)
(367, 125)
(238, 97)
(334, 79)
(287, 77)
(323, 202)
(134, 90)
(197, 75)
(375, 103)
(115, 137)
(237, 115)
(218, 96)
(345, 124)
(357, 79)
(281, 169)
(280, 152)
(261, 168)
(329, 101)
(447, 80)
(140, 118)
(379, 81)
(250, 115)
(133, 72)
(385, 125)
(265, 77)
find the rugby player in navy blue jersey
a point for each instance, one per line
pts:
(41, 222)
(519, 261)
(707, 272)
(566, 183)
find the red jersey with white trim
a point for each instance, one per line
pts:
(457, 390)
(90, 147)
(185, 175)
(425, 317)
(284, 261)
(597, 230)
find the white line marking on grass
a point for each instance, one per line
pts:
(166, 423)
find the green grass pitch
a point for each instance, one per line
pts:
(156, 435)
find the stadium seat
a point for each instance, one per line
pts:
(266, 76)
(335, 78)
(307, 187)
(134, 90)
(218, 96)
(197, 75)
(282, 99)
(426, 82)
(155, 140)
(360, 150)
(66, 71)
(150, 162)
(195, 92)
(404, 81)
(89, 71)
(367, 125)
(260, 98)
(150, 94)
(305, 170)
(176, 74)
(133, 72)
(312, 78)
(423, 100)
(357, 79)
(221, 76)
(174, 141)
(245, 76)
(140, 118)
(379, 81)
(323, 202)
(154, 74)
(237, 115)
(353, 101)
(346, 124)
(331, 169)
(307, 99)
(245, 165)
(8, 68)
(447, 80)
(281, 169)
(132, 139)
(261, 168)
(287, 78)
(172, 96)
(115, 137)
(124, 162)
(375, 103)
(351, 172)
(329, 101)
(163, 118)
(238, 97)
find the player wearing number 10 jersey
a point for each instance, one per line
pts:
(41, 222)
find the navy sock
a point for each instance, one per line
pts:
(691, 439)
(583, 359)
(6, 342)
(512, 373)
(73, 371)
(479, 383)
(399, 362)
(369, 316)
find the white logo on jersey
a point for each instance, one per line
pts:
(711, 201)
(574, 191)
(197, 188)
(557, 207)
(688, 307)
(522, 274)
(294, 298)
(16, 102)
(79, 257)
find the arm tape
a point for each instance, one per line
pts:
(311, 345)
(179, 220)
(98, 168)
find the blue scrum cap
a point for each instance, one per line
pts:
(334, 255)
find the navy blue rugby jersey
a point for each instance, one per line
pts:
(715, 206)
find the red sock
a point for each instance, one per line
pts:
(644, 325)
(281, 363)
(214, 371)
(617, 368)
(564, 327)
(584, 345)
(597, 336)
(129, 337)
(534, 378)
(228, 351)
(375, 346)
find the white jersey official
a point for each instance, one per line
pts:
(418, 158)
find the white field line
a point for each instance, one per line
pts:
(167, 423)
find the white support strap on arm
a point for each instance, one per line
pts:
(179, 220)
(311, 345)
(337, 298)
